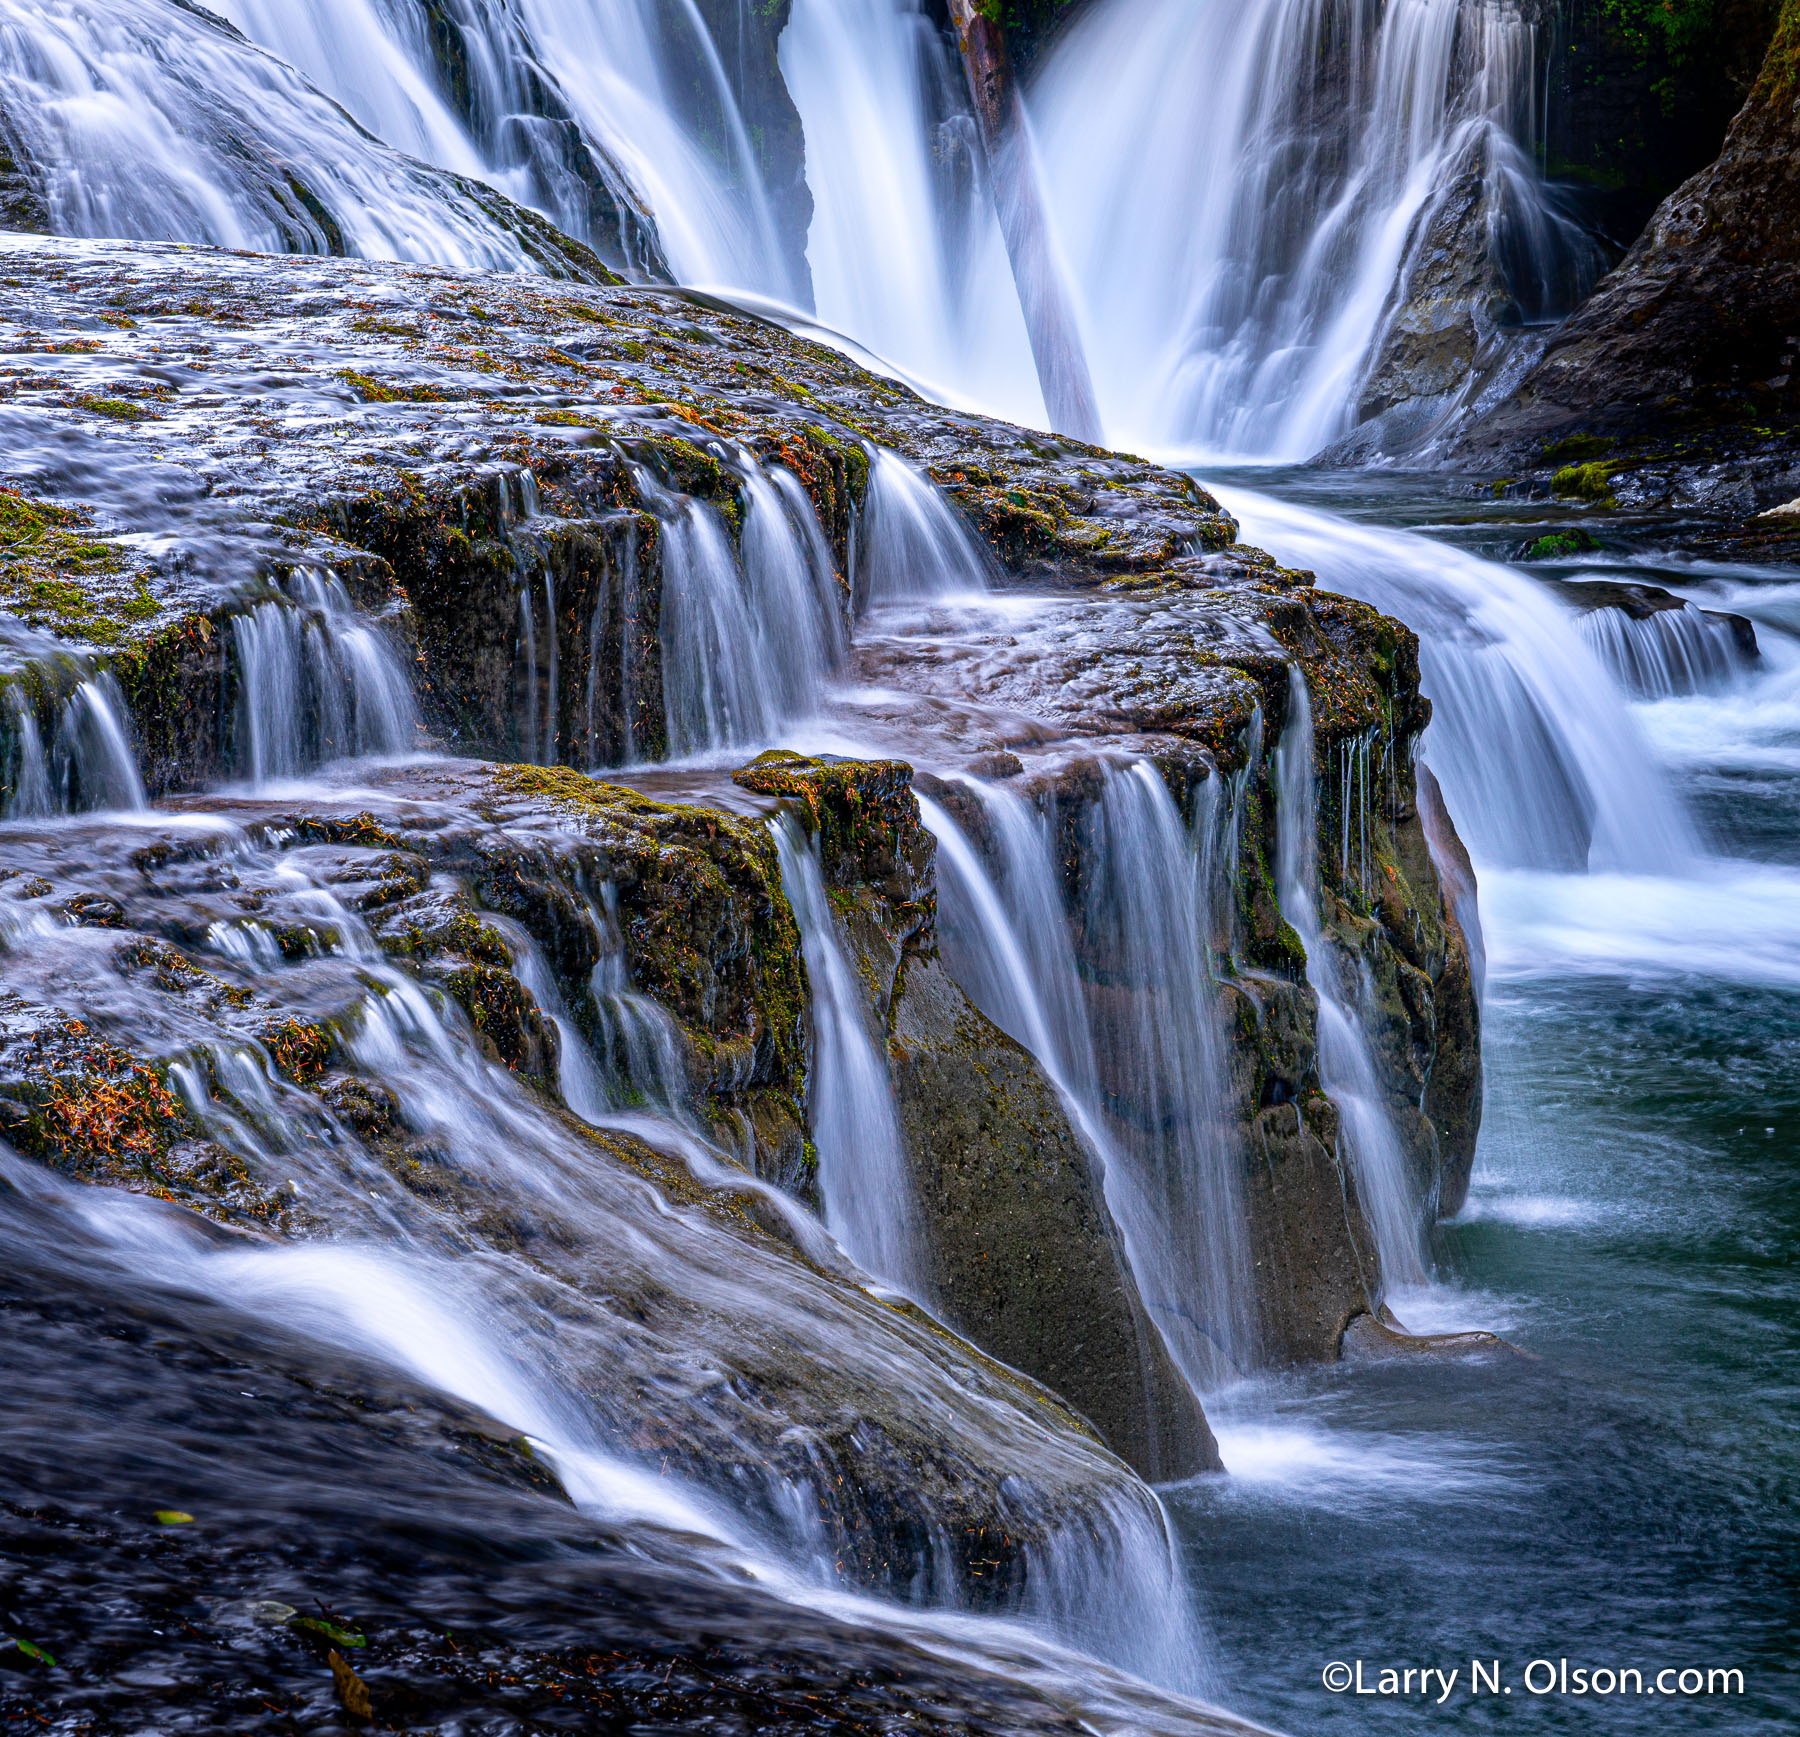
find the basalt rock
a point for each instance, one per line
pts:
(1678, 381)
(1025, 1256)
(479, 460)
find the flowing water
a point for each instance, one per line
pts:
(1625, 1498)
(1236, 197)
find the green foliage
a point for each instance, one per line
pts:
(1579, 448)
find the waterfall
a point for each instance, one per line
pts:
(316, 681)
(155, 122)
(30, 782)
(905, 250)
(1346, 1068)
(616, 118)
(795, 599)
(1241, 197)
(750, 632)
(1130, 1034)
(1574, 786)
(1240, 189)
(1668, 652)
(637, 1041)
(864, 1179)
(91, 761)
(913, 546)
(713, 691)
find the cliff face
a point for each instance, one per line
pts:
(1637, 97)
(1688, 354)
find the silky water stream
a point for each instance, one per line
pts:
(1622, 1497)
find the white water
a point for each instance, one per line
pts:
(865, 1181)
(911, 545)
(1368, 1139)
(657, 123)
(905, 251)
(1236, 194)
(1239, 188)
(1674, 651)
(1146, 1082)
(152, 123)
(89, 762)
(1541, 761)
(316, 681)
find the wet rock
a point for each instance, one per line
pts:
(1685, 362)
(645, 1261)
(1025, 1257)
(356, 1496)
(1454, 308)
(1316, 1264)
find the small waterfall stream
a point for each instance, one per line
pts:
(316, 682)
(864, 1177)
(1147, 1079)
(1346, 1069)
(912, 546)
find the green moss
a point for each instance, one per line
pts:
(1558, 544)
(374, 391)
(52, 574)
(119, 409)
(1584, 482)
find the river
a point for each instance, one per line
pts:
(1623, 1496)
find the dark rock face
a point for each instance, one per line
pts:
(647, 1260)
(1453, 307)
(1679, 379)
(1026, 1258)
(746, 37)
(1638, 99)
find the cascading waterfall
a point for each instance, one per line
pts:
(798, 606)
(316, 681)
(1346, 1067)
(1240, 191)
(30, 781)
(1669, 652)
(750, 633)
(905, 250)
(1147, 929)
(713, 691)
(89, 761)
(156, 123)
(864, 1179)
(912, 546)
(605, 114)
(1237, 259)
(1504, 662)
(1140, 1058)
